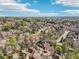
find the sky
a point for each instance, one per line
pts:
(39, 8)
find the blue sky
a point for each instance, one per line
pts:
(39, 7)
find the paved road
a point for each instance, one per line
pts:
(64, 35)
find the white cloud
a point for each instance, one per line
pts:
(12, 5)
(71, 12)
(74, 3)
(28, 4)
(7, 1)
(35, 1)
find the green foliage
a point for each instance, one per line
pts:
(72, 54)
(65, 46)
(23, 23)
(1, 57)
(58, 47)
(12, 40)
(8, 26)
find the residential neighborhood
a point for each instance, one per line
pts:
(35, 38)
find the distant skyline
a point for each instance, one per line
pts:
(39, 8)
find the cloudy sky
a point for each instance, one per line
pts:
(39, 7)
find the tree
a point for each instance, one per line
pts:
(8, 26)
(12, 40)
